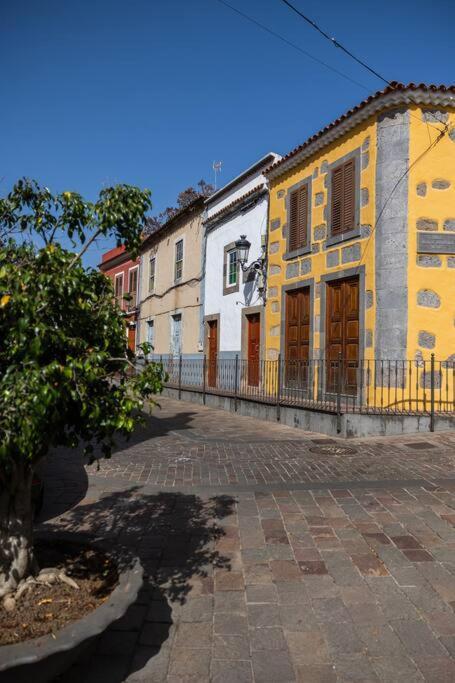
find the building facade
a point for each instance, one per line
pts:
(118, 265)
(170, 289)
(361, 245)
(233, 306)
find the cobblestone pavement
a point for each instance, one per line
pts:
(267, 562)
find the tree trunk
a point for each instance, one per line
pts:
(17, 560)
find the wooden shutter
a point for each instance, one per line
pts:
(293, 220)
(349, 195)
(343, 198)
(337, 201)
(303, 214)
(298, 218)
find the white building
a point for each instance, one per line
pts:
(232, 304)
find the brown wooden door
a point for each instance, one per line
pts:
(213, 352)
(342, 326)
(254, 342)
(132, 339)
(298, 325)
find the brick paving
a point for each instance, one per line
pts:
(320, 569)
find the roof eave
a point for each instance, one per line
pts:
(379, 102)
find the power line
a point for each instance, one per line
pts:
(288, 42)
(315, 59)
(392, 192)
(335, 42)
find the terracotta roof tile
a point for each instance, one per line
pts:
(239, 200)
(393, 87)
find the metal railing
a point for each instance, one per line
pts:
(395, 387)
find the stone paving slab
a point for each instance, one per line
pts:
(335, 579)
(185, 446)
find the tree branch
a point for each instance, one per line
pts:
(85, 247)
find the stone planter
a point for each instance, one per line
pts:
(40, 660)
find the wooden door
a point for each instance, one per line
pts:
(298, 326)
(132, 338)
(254, 342)
(342, 325)
(213, 352)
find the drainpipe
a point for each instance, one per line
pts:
(202, 285)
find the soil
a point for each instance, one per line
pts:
(42, 609)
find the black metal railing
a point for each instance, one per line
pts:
(411, 387)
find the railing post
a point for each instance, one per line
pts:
(278, 388)
(235, 381)
(432, 394)
(204, 370)
(180, 376)
(339, 394)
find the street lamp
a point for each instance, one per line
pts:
(242, 246)
(243, 249)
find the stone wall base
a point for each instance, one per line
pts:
(351, 425)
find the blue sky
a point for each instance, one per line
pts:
(152, 92)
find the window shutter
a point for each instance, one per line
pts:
(337, 201)
(349, 195)
(293, 221)
(303, 214)
(298, 218)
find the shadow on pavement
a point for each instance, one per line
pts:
(175, 536)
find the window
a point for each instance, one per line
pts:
(132, 290)
(118, 289)
(343, 202)
(152, 268)
(151, 334)
(176, 334)
(232, 268)
(298, 218)
(178, 270)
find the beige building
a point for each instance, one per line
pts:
(169, 292)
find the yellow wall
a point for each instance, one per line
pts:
(437, 205)
(364, 134)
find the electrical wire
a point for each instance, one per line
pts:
(392, 192)
(296, 47)
(335, 42)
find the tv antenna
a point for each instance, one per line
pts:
(216, 169)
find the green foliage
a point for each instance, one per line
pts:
(65, 371)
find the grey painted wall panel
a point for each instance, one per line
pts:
(436, 243)
(391, 235)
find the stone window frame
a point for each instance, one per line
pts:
(229, 289)
(355, 154)
(288, 255)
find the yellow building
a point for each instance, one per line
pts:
(361, 251)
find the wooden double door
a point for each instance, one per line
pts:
(297, 337)
(342, 335)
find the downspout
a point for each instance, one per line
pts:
(202, 287)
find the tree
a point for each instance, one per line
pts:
(184, 199)
(66, 374)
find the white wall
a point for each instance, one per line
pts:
(252, 223)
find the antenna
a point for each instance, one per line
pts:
(216, 169)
